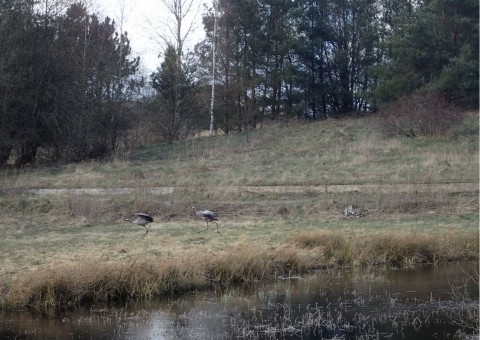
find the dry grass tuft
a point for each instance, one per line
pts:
(392, 249)
(64, 287)
(242, 264)
(324, 238)
(402, 250)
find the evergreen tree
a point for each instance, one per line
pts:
(313, 22)
(62, 79)
(435, 47)
(175, 103)
(351, 55)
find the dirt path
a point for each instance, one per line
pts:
(298, 189)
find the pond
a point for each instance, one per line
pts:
(419, 303)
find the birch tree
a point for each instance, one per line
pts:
(212, 101)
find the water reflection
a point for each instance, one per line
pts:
(341, 303)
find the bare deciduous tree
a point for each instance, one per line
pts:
(173, 34)
(166, 32)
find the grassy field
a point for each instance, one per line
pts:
(74, 247)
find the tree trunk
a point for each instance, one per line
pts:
(212, 101)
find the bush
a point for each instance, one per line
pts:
(421, 114)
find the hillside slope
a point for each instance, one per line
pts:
(285, 154)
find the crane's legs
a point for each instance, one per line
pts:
(207, 227)
(215, 224)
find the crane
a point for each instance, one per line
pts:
(142, 219)
(207, 216)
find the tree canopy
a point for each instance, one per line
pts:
(321, 58)
(64, 82)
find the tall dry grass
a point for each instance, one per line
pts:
(67, 286)
(390, 248)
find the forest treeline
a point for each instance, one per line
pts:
(71, 90)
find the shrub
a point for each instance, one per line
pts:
(421, 114)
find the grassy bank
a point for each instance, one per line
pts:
(148, 276)
(319, 153)
(71, 248)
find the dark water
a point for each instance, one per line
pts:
(420, 303)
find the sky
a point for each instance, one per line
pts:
(141, 19)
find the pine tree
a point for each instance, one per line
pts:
(175, 102)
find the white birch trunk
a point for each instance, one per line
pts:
(212, 102)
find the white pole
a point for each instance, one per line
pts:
(212, 119)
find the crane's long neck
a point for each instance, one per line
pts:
(128, 220)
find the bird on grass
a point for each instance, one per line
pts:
(207, 216)
(142, 219)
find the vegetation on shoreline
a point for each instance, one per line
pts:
(65, 250)
(67, 286)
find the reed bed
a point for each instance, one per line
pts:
(331, 322)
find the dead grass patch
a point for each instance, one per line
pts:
(390, 248)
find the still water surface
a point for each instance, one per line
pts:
(340, 304)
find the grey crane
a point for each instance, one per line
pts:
(142, 219)
(207, 216)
